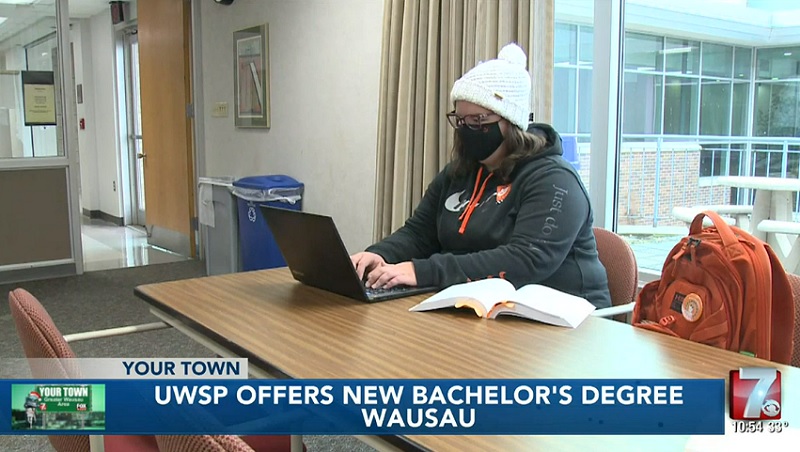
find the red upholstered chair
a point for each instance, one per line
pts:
(617, 257)
(224, 443)
(794, 280)
(41, 339)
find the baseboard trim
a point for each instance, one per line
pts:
(38, 272)
(99, 214)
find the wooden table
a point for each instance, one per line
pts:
(773, 201)
(288, 330)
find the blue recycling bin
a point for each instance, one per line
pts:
(257, 245)
(569, 145)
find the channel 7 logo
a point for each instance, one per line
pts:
(755, 393)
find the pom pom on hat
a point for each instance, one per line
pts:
(502, 85)
(513, 54)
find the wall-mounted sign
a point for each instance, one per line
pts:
(39, 98)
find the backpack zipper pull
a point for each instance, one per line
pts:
(677, 256)
(667, 320)
(680, 253)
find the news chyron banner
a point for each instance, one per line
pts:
(366, 407)
(215, 396)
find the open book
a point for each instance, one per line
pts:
(492, 297)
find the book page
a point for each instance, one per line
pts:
(478, 295)
(547, 305)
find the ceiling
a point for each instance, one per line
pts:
(26, 21)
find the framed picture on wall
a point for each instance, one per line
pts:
(39, 98)
(251, 77)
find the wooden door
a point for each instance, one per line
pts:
(167, 151)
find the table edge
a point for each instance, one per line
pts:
(401, 442)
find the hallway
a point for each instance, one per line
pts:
(107, 246)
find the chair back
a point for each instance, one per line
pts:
(205, 443)
(41, 339)
(794, 280)
(617, 257)
(39, 335)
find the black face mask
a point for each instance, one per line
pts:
(480, 144)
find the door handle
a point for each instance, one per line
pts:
(141, 155)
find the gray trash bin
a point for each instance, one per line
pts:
(219, 225)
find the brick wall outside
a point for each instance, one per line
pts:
(676, 182)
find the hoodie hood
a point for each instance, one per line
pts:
(552, 137)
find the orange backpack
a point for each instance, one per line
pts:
(722, 287)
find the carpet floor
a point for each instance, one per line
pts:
(104, 299)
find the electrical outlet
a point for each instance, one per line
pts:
(220, 110)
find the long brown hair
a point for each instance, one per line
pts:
(519, 145)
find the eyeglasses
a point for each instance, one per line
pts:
(474, 122)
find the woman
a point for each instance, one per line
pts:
(508, 205)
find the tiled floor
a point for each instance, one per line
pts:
(107, 246)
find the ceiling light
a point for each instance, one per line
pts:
(787, 53)
(17, 2)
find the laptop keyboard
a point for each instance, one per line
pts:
(372, 293)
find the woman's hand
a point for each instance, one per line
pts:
(388, 276)
(365, 262)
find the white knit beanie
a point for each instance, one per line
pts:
(502, 85)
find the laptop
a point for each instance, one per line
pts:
(316, 256)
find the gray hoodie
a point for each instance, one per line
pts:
(535, 228)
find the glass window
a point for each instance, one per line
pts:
(736, 159)
(717, 60)
(710, 160)
(682, 56)
(565, 87)
(641, 103)
(566, 37)
(776, 109)
(778, 63)
(584, 101)
(741, 106)
(722, 106)
(742, 62)
(586, 55)
(793, 165)
(715, 108)
(767, 160)
(30, 120)
(680, 106)
(643, 52)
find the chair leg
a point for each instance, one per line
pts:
(97, 443)
(297, 443)
(110, 332)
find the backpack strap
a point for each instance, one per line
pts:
(782, 315)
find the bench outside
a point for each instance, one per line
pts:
(779, 227)
(788, 246)
(733, 215)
